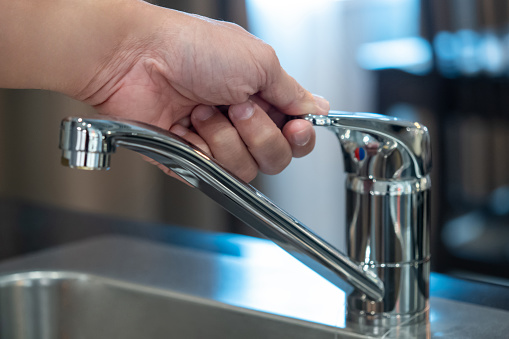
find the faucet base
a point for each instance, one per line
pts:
(388, 234)
(379, 324)
(385, 319)
(407, 299)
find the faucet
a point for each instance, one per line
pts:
(388, 161)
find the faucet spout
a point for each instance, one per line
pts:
(88, 143)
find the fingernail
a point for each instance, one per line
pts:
(178, 130)
(302, 138)
(202, 113)
(322, 104)
(242, 111)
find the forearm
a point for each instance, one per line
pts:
(61, 45)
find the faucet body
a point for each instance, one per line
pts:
(388, 235)
(388, 162)
(386, 269)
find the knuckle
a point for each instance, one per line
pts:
(266, 139)
(270, 56)
(269, 51)
(234, 26)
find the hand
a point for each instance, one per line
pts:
(173, 70)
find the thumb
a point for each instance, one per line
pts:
(289, 97)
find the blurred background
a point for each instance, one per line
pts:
(444, 63)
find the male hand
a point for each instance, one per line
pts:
(174, 70)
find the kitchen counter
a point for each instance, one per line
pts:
(28, 227)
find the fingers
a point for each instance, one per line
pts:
(275, 115)
(191, 137)
(247, 142)
(262, 137)
(301, 137)
(299, 133)
(224, 142)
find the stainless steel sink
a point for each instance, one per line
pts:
(73, 305)
(119, 287)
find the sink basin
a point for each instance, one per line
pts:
(120, 287)
(72, 305)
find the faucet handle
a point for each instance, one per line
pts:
(376, 146)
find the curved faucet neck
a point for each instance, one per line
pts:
(83, 141)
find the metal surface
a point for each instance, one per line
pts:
(388, 162)
(28, 227)
(90, 290)
(387, 214)
(87, 143)
(394, 149)
(67, 305)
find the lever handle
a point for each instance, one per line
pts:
(376, 146)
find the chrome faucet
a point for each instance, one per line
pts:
(388, 161)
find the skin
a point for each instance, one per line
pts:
(210, 82)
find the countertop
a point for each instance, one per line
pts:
(27, 227)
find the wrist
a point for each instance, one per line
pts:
(109, 35)
(141, 30)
